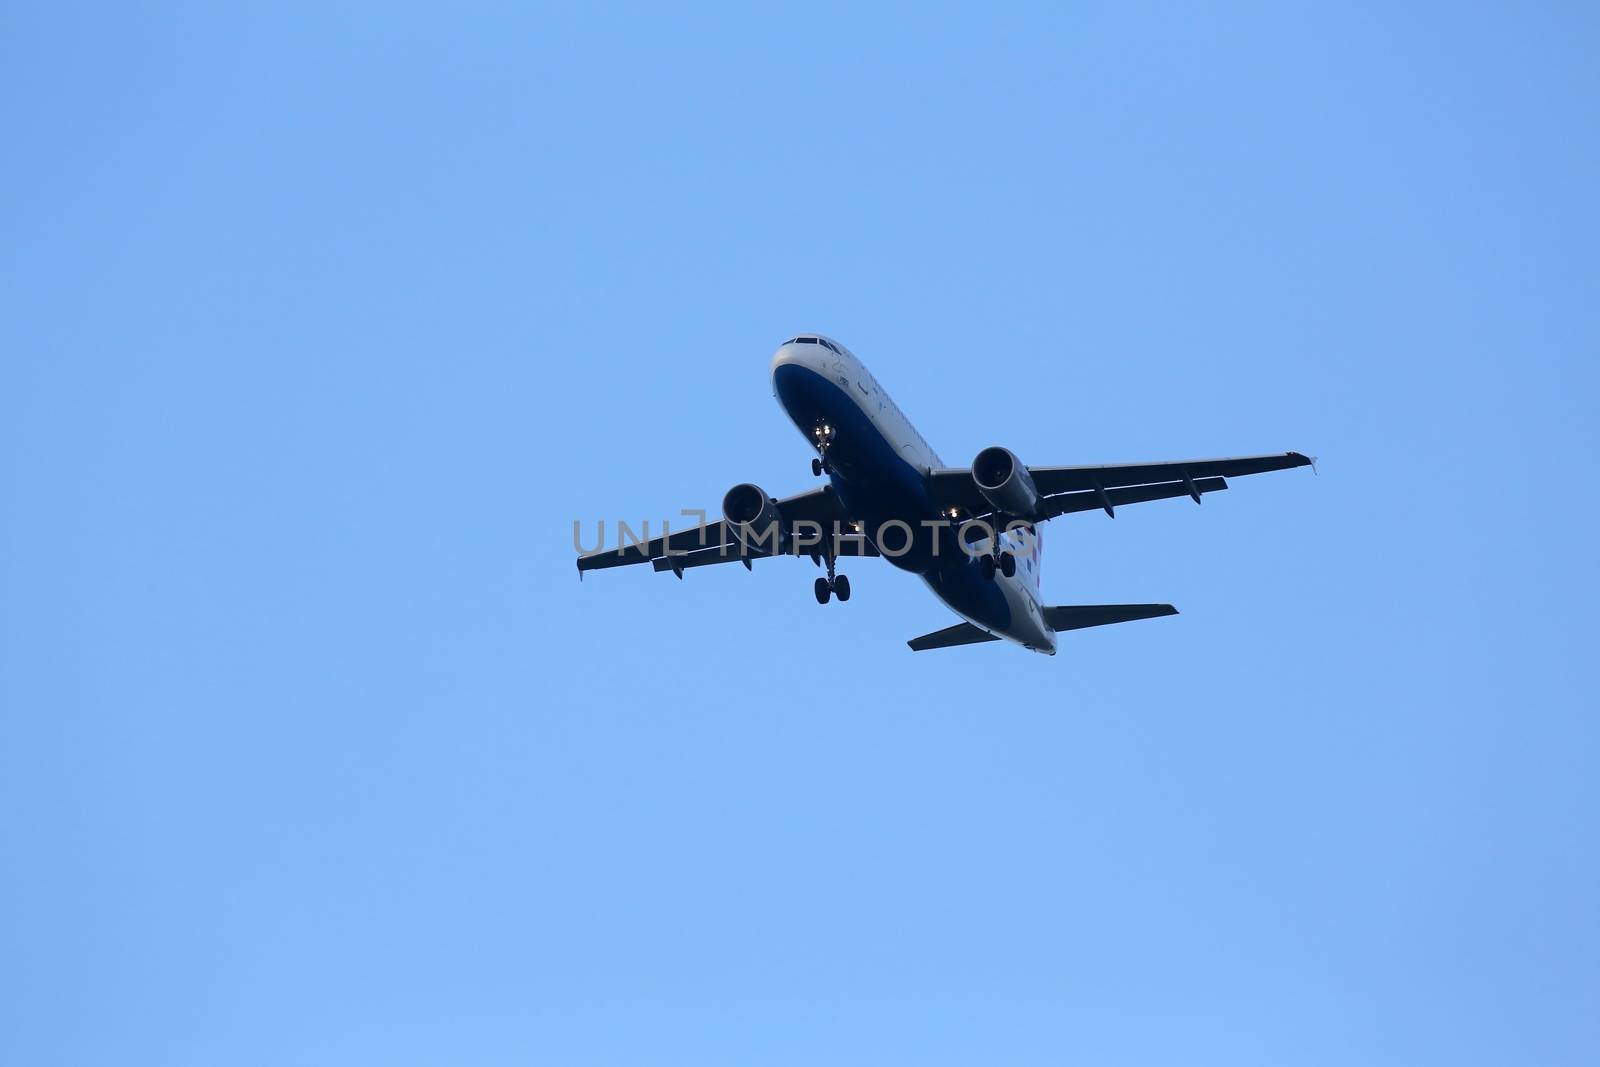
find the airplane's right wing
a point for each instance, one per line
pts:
(848, 545)
(699, 545)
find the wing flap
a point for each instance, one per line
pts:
(1067, 503)
(849, 546)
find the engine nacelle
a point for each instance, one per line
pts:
(752, 517)
(1005, 483)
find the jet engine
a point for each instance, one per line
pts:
(1005, 483)
(752, 517)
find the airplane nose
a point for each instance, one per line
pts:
(798, 356)
(791, 353)
(799, 369)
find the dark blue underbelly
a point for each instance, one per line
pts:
(875, 484)
(959, 583)
(878, 486)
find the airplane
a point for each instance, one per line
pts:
(971, 533)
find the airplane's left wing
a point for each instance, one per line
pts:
(698, 546)
(1107, 485)
(1114, 476)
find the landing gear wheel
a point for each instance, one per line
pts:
(986, 567)
(841, 588)
(822, 436)
(1008, 565)
(823, 589)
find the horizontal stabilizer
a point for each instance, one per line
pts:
(1079, 616)
(962, 633)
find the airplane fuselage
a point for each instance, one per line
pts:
(970, 533)
(879, 465)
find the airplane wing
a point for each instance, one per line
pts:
(699, 546)
(1067, 489)
(732, 552)
(1067, 503)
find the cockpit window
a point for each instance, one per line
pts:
(828, 345)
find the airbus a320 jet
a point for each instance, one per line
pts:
(971, 533)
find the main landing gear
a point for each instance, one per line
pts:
(822, 437)
(826, 587)
(1005, 563)
(997, 560)
(832, 585)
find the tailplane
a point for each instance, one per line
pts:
(962, 633)
(1079, 616)
(1064, 617)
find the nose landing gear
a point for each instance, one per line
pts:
(822, 437)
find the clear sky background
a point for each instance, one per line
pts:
(319, 327)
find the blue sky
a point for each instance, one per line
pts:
(323, 323)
